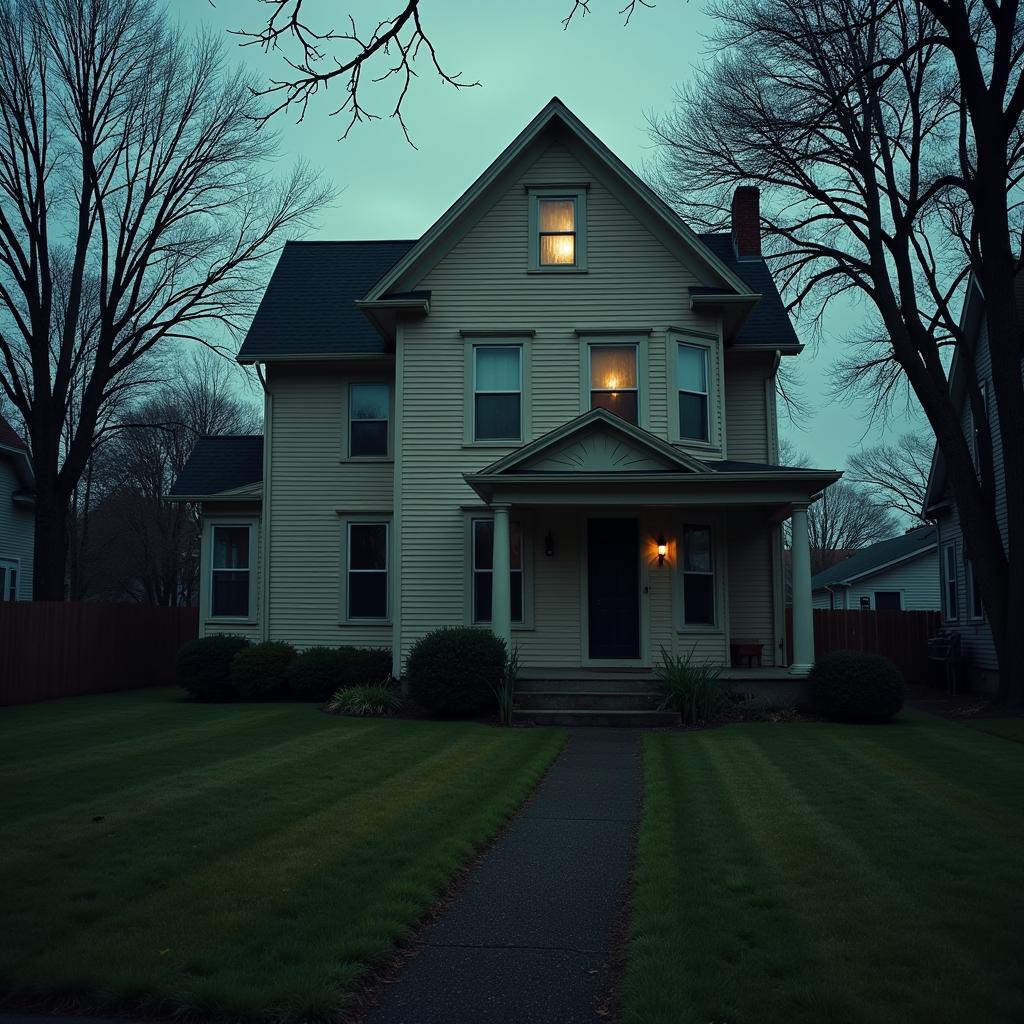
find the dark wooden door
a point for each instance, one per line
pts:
(613, 588)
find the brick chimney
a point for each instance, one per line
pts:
(746, 222)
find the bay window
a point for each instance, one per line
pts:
(482, 544)
(614, 380)
(497, 392)
(367, 571)
(692, 384)
(698, 576)
(230, 571)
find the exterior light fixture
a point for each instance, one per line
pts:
(549, 545)
(662, 549)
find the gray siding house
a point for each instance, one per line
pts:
(962, 611)
(17, 516)
(900, 574)
(552, 415)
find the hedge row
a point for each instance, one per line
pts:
(224, 668)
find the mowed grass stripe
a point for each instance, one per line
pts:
(908, 912)
(268, 893)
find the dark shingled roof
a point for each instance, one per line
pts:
(221, 463)
(309, 305)
(768, 323)
(9, 436)
(868, 559)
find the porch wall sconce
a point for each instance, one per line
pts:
(662, 550)
(549, 545)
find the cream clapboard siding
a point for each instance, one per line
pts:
(749, 420)
(17, 528)
(976, 636)
(226, 512)
(312, 489)
(632, 281)
(751, 591)
(916, 580)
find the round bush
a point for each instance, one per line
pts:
(203, 667)
(455, 671)
(258, 672)
(320, 672)
(852, 686)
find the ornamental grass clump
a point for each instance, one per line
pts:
(373, 701)
(690, 687)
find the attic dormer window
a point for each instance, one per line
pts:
(558, 230)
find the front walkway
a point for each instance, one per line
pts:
(530, 936)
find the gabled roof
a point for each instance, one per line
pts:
(220, 465)
(13, 446)
(873, 559)
(309, 308)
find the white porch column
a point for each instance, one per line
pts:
(803, 617)
(501, 585)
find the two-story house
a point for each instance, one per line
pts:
(17, 516)
(553, 415)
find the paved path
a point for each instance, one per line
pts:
(528, 939)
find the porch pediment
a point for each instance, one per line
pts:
(596, 442)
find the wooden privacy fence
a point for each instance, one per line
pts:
(900, 636)
(65, 648)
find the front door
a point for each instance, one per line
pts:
(613, 589)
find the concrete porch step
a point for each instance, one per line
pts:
(624, 719)
(559, 699)
(589, 684)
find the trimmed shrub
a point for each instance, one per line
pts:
(366, 701)
(258, 672)
(203, 667)
(456, 672)
(853, 686)
(318, 673)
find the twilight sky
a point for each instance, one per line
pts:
(609, 75)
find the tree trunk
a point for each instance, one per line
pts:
(51, 540)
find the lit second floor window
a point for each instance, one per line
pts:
(557, 222)
(229, 590)
(692, 381)
(369, 408)
(613, 380)
(497, 392)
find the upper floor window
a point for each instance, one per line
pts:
(558, 228)
(976, 435)
(692, 383)
(614, 380)
(230, 569)
(368, 414)
(497, 392)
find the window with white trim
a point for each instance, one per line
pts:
(975, 608)
(367, 570)
(369, 410)
(692, 385)
(8, 580)
(497, 392)
(698, 571)
(557, 229)
(614, 380)
(230, 569)
(483, 566)
(950, 582)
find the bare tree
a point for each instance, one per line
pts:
(843, 519)
(137, 205)
(351, 58)
(134, 545)
(885, 137)
(896, 475)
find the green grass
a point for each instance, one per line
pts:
(244, 860)
(1008, 728)
(807, 873)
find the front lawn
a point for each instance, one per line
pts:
(806, 872)
(232, 859)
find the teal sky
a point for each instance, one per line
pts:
(608, 74)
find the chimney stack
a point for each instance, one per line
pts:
(746, 222)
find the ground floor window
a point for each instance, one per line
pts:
(483, 564)
(950, 582)
(973, 592)
(229, 571)
(888, 601)
(698, 576)
(367, 571)
(8, 580)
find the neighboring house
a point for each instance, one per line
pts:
(552, 415)
(961, 600)
(17, 516)
(893, 575)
